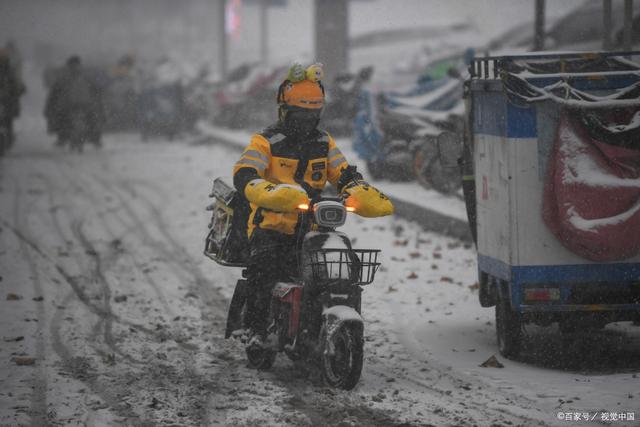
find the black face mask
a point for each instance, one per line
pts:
(301, 123)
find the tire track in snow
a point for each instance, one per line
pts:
(72, 281)
(114, 237)
(446, 400)
(99, 277)
(81, 369)
(38, 408)
(72, 363)
(207, 304)
(211, 303)
(172, 250)
(78, 368)
(118, 237)
(102, 324)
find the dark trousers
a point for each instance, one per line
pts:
(272, 259)
(64, 124)
(8, 124)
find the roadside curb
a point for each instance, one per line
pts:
(431, 220)
(428, 219)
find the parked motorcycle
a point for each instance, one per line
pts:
(342, 101)
(391, 139)
(395, 132)
(317, 317)
(161, 111)
(246, 98)
(434, 172)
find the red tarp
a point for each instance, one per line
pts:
(591, 198)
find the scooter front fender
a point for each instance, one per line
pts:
(338, 315)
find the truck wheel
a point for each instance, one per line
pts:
(508, 327)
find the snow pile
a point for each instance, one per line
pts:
(592, 225)
(633, 124)
(581, 168)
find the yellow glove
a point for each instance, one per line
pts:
(279, 198)
(367, 200)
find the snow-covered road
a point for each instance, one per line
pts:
(111, 315)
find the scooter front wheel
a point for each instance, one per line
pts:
(342, 357)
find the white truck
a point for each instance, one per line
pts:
(556, 223)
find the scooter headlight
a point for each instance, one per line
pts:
(329, 214)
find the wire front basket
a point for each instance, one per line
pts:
(357, 266)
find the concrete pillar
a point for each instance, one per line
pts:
(332, 36)
(628, 19)
(221, 37)
(538, 40)
(606, 25)
(264, 32)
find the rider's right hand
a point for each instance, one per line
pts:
(275, 197)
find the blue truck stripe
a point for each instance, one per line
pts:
(565, 276)
(575, 273)
(496, 115)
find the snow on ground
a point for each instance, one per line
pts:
(123, 315)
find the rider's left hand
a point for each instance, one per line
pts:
(367, 200)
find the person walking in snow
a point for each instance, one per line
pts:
(11, 88)
(74, 90)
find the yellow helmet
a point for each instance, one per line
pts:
(304, 94)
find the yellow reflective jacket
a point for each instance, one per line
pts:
(282, 159)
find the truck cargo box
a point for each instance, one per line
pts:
(524, 112)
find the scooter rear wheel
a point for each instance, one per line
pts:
(342, 357)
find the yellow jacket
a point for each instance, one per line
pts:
(281, 159)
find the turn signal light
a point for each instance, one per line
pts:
(351, 209)
(303, 207)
